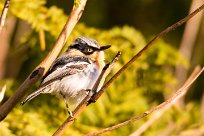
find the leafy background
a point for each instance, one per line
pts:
(148, 82)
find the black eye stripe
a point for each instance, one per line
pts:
(75, 46)
(84, 48)
(93, 48)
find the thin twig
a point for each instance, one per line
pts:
(84, 103)
(179, 93)
(149, 122)
(159, 113)
(43, 67)
(3, 14)
(188, 44)
(165, 31)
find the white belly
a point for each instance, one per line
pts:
(73, 87)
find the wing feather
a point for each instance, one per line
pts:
(66, 60)
(62, 67)
(67, 70)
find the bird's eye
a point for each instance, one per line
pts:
(90, 50)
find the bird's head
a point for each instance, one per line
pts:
(84, 46)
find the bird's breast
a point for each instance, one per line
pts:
(74, 86)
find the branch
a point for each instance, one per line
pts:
(43, 67)
(3, 14)
(188, 44)
(159, 113)
(165, 31)
(95, 96)
(179, 93)
(85, 101)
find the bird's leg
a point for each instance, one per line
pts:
(67, 106)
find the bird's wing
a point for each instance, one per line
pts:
(66, 60)
(63, 67)
(65, 71)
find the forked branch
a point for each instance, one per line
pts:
(43, 67)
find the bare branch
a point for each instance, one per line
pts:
(164, 32)
(179, 93)
(106, 70)
(3, 14)
(43, 67)
(159, 113)
(188, 44)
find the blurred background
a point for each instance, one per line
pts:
(32, 27)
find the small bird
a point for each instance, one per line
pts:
(72, 73)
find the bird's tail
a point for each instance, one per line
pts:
(31, 96)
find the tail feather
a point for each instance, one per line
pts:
(31, 96)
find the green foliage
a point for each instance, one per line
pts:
(40, 17)
(140, 87)
(26, 122)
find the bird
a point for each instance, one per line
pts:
(73, 72)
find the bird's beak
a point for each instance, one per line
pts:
(104, 47)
